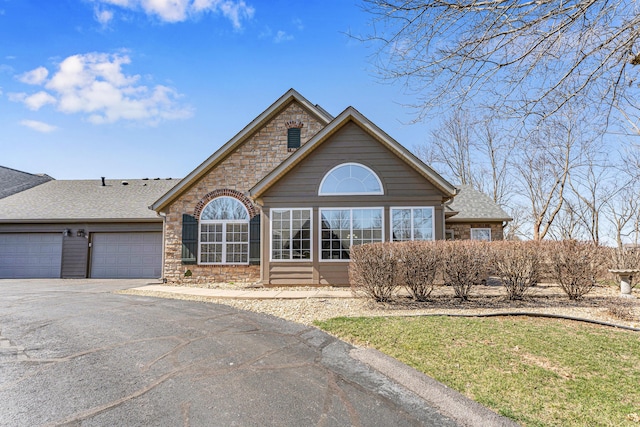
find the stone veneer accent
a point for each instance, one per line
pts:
(240, 170)
(462, 231)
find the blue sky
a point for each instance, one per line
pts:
(150, 88)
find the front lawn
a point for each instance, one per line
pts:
(539, 372)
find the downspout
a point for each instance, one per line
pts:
(163, 215)
(446, 202)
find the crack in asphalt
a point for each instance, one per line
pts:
(242, 345)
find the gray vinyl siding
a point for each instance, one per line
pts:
(75, 257)
(281, 273)
(352, 144)
(402, 185)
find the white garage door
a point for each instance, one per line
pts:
(30, 255)
(126, 255)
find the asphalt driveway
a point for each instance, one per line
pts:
(74, 353)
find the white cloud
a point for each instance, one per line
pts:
(38, 126)
(282, 36)
(38, 100)
(34, 77)
(103, 16)
(235, 11)
(94, 85)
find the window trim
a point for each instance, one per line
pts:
(320, 259)
(365, 193)
(480, 228)
(449, 232)
(271, 259)
(224, 243)
(433, 222)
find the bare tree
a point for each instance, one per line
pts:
(451, 149)
(623, 212)
(471, 152)
(546, 161)
(528, 59)
(497, 149)
(567, 225)
(592, 186)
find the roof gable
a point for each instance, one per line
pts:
(13, 181)
(472, 205)
(290, 96)
(347, 116)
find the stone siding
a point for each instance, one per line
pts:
(462, 231)
(258, 155)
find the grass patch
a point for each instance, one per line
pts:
(539, 372)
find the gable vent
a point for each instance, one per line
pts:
(294, 128)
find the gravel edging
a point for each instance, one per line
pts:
(309, 310)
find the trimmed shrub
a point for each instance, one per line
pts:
(465, 264)
(421, 262)
(373, 270)
(576, 266)
(518, 266)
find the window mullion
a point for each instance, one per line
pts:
(224, 243)
(350, 231)
(290, 234)
(412, 224)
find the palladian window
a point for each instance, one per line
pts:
(224, 232)
(350, 179)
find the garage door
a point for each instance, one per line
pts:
(30, 255)
(126, 255)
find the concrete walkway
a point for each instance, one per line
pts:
(249, 293)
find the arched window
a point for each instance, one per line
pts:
(350, 179)
(224, 232)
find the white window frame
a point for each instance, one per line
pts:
(361, 193)
(224, 243)
(433, 222)
(271, 259)
(320, 229)
(480, 229)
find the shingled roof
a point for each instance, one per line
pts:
(13, 181)
(80, 200)
(472, 205)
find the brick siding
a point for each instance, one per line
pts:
(462, 231)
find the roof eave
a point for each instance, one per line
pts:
(456, 219)
(74, 220)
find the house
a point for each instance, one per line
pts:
(14, 181)
(282, 202)
(82, 228)
(474, 215)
